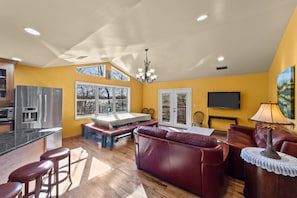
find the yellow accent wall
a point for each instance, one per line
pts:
(285, 57)
(64, 77)
(253, 89)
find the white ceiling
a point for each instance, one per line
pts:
(246, 33)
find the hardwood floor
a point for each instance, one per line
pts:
(98, 172)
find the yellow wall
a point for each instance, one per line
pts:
(253, 89)
(65, 77)
(285, 57)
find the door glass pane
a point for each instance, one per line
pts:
(166, 107)
(181, 108)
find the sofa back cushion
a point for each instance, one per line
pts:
(260, 135)
(152, 131)
(192, 139)
(279, 135)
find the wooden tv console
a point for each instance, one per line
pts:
(221, 117)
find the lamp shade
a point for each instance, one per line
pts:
(270, 113)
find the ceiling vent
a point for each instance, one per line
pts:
(222, 67)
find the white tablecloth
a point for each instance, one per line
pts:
(286, 166)
(199, 130)
(112, 120)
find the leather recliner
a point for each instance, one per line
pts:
(239, 137)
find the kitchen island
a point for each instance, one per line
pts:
(20, 147)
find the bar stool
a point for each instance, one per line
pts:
(30, 172)
(55, 156)
(11, 190)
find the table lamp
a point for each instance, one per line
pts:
(271, 115)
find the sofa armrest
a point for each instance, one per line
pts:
(213, 156)
(225, 151)
(237, 145)
(213, 170)
(243, 129)
(289, 148)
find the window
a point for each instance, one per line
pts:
(85, 99)
(118, 75)
(92, 99)
(92, 70)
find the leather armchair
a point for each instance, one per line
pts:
(239, 137)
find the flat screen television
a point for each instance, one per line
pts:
(226, 100)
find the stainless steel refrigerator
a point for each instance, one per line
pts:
(38, 108)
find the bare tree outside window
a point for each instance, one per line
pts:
(117, 75)
(85, 99)
(92, 70)
(103, 97)
(121, 99)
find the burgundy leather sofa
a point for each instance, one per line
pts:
(193, 162)
(239, 137)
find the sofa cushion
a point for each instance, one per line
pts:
(260, 135)
(153, 131)
(280, 135)
(192, 139)
(240, 138)
(242, 129)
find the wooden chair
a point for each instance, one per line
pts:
(151, 111)
(144, 110)
(198, 118)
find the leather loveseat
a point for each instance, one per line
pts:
(193, 162)
(239, 137)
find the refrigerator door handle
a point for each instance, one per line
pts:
(45, 108)
(39, 110)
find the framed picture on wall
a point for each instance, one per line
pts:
(286, 92)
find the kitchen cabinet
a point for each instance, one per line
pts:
(6, 82)
(6, 127)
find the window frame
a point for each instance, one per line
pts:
(97, 99)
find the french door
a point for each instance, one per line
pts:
(175, 107)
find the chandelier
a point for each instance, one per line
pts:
(147, 75)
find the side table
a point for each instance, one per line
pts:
(266, 177)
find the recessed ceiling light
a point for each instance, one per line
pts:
(202, 17)
(32, 31)
(16, 59)
(221, 58)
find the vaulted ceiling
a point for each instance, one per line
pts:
(245, 33)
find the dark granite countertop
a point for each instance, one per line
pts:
(15, 139)
(6, 122)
